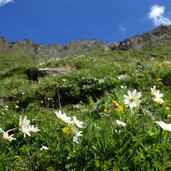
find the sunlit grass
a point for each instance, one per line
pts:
(112, 135)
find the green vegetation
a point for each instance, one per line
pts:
(93, 92)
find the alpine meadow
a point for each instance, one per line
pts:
(87, 105)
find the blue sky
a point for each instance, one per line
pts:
(63, 21)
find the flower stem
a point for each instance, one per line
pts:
(13, 129)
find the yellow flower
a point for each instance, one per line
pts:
(17, 157)
(167, 108)
(106, 110)
(115, 103)
(168, 116)
(158, 79)
(164, 62)
(17, 106)
(67, 130)
(119, 109)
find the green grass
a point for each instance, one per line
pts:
(87, 93)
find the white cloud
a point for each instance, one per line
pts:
(122, 28)
(4, 2)
(156, 14)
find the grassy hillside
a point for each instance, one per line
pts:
(93, 91)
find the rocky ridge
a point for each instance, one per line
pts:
(159, 34)
(51, 51)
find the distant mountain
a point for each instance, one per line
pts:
(27, 48)
(158, 35)
(52, 51)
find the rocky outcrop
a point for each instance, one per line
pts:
(159, 34)
(2, 40)
(33, 74)
(56, 71)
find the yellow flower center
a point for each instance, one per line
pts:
(131, 100)
(159, 102)
(67, 130)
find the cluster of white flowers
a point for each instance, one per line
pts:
(73, 123)
(47, 61)
(120, 123)
(122, 76)
(5, 108)
(133, 98)
(24, 126)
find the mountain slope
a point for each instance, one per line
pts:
(26, 52)
(158, 35)
(54, 50)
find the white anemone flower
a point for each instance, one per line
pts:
(63, 117)
(44, 148)
(164, 126)
(157, 96)
(78, 123)
(156, 93)
(24, 126)
(32, 128)
(77, 134)
(120, 123)
(8, 137)
(132, 99)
